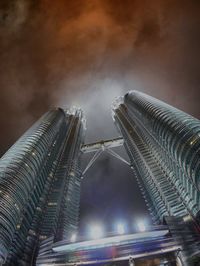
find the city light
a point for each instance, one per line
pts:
(96, 231)
(73, 237)
(141, 226)
(120, 228)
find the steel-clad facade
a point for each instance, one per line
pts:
(40, 177)
(163, 144)
(40, 185)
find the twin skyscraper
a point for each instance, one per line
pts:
(40, 177)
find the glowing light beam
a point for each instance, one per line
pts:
(96, 231)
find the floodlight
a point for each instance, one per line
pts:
(96, 231)
(120, 228)
(141, 226)
(73, 238)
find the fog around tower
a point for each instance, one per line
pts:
(85, 53)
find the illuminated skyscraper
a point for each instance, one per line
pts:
(40, 180)
(163, 144)
(40, 186)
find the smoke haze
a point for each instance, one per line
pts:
(87, 52)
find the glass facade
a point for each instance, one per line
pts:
(40, 178)
(40, 185)
(163, 144)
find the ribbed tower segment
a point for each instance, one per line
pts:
(61, 214)
(163, 143)
(28, 175)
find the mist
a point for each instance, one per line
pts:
(85, 53)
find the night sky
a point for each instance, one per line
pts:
(86, 53)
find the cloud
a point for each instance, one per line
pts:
(88, 52)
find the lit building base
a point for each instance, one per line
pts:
(157, 245)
